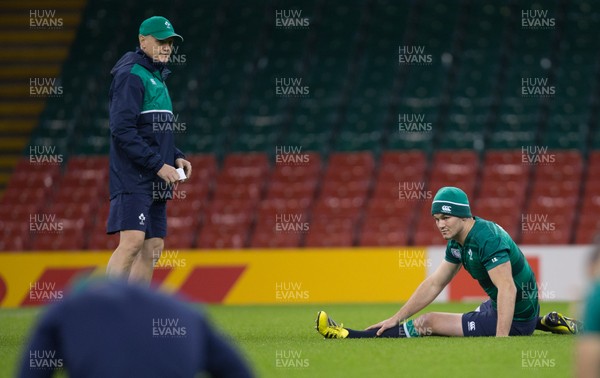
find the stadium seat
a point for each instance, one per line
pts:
(329, 239)
(267, 238)
(280, 224)
(15, 235)
(223, 237)
(359, 159)
(300, 190)
(99, 241)
(425, 231)
(385, 231)
(588, 228)
(59, 241)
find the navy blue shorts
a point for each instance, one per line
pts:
(134, 211)
(483, 322)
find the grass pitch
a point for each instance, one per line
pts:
(280, 341)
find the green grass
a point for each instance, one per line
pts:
(275, 337)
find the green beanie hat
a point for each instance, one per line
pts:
(452, 201)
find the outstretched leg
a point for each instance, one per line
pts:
(434, 323)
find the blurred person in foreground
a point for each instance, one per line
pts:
(143, 155)
(490, 256)
(588, 344)
(110, 328)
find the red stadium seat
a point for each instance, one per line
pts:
(338, 207)
(352, 159)
(181, 233)
(26, 164)
(341, 200)
(490, 191)
(244, 168)
(558, 236)
(80, 195)
(32, 196)
(346, 189)
(14, 234)
(344, 167)
(35, 179)
(304, 189)
(242, 178)
(459, 163)
(217, 237)
(332, 224)
(328, 239)
(427, 237)
(295, 173)
(467, 184)
(272, 206)
(204, 167)
(99, 240)
(425, 230)
(588, 228)
(385, 231)
(229, 213)
(18, 211)
(553, 200)
(185, 207)
(383, 239)
(84, 163)
(267, 237)
(72, 239)
(246, 191)
(384, 207)
(402, 166)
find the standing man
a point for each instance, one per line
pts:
(491, 257)
(143, 155)
(588, 345)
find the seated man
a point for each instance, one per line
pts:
(491, 257)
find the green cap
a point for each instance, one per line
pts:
(452, 201)
(158, 27)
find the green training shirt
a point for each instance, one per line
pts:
(591, 315)
(487, 245)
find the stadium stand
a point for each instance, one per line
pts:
(364, 178)
(26, 60)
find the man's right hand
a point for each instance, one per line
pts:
(385, 324)
(168, 173)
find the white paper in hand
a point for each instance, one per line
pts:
(182, 175)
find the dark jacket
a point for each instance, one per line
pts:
(141, 126)
(112, 329)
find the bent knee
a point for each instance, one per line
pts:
(155, 245)
(130, 243)
(153, 248)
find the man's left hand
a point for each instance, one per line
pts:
(186, 165)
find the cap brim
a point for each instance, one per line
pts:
(166, 34)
